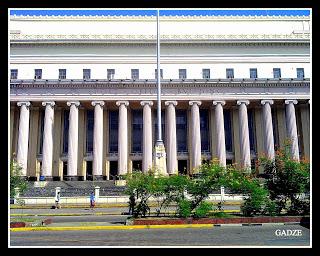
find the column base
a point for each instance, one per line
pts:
(72, 178)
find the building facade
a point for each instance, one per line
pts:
(83, 92)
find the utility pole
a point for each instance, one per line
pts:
(159, 152)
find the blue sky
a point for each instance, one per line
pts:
(151, 12)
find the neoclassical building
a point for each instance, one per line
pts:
(83, 92)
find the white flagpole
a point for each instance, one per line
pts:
(159, 140)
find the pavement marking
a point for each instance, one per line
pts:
(111, 227)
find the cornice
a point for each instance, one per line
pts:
(147, 38)
(153, 18)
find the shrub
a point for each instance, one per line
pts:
(203, 210)
(286, 180)
(16, 181)
(184, 208)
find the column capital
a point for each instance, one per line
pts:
(126, 103)
(263, 102)
(239, 102)
(20, 103)
(94, 103)
(290, 101)
(51, 103)
(216, 102)
(76, 103)
(173, 102)
(146, 102)
(192, 102)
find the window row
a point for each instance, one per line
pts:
(135, 73)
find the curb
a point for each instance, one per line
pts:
(111, 227)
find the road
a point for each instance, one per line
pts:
(216, 236)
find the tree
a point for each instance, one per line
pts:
(16, 181)
(287, 179)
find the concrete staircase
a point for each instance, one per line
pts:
(72, 188)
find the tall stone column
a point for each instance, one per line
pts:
(268, 128)
(171, 134)
(123, 137)
(147, 135)
(23, 136)
(292, 127)
(195, 134)
(47, 146)
(221, 140)
(97, 139)
(73, 140)
(244, 134)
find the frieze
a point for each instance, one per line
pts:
(116, 89)
(118, 37)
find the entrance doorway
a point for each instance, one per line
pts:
(89, 175)
(136, 165)
(183, 167)
(113, 170)
(65, 169)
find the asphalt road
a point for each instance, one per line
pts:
(216, 236)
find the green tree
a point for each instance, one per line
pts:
(287, 179)
(16, 181)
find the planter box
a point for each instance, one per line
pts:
(236, 220)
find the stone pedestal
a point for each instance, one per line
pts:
(159, 161)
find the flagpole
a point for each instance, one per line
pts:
(159, 140)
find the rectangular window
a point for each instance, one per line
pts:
(113, 131)
(251, 129)
(182, 134)
(38, 74)
(137, 127)
(276, 73)
(110, 73)
(228, 129)
(86, 73)
(62, 73)
(65, 131)
(90, 120)
(230, 73)
(205, 73)
(156, 73)
(134, 73)
(253, 73)
(300, 73)
(182, 73)
(14, 74)
(204, 130)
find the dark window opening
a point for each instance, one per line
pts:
(181, 126)
(42, 113)
(65, 131)
(65, 168)
(205, 73)
(253, 73)
(134, 73)
(228, 129)
(110, 73)
(136, 165)
(156, 73)
(86, 73)
(183, 167)
(113, 170)
(90, 123)
(251, 129)
(300, 73)
(182, 73)
(137, 129)
(14, 74)
(89, 173)
(113, 131)
(276, 73)
(62, 73)
(38, 74)
(204, 130)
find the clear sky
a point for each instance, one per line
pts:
(151, 12)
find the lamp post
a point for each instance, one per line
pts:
(159, 152)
